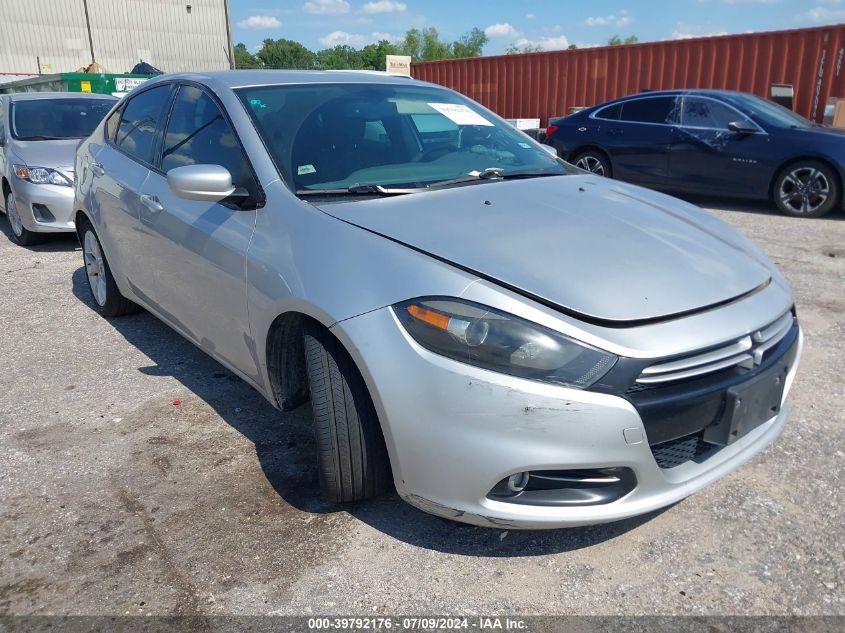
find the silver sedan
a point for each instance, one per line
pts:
(504, 338)
(39, 134)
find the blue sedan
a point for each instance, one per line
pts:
(709, 142)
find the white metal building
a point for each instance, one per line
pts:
(173, 35)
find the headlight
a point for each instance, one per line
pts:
(484, 337)
(42, 176)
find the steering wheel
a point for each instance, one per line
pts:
(433, 153)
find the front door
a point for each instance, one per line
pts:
(199, 248)
(707, 157)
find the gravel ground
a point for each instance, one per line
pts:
(115, 501)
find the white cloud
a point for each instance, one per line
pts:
(545, 43)
(384, 6)
(617, 19)
(326, 7)
(260, 22)
(684, 32)
(530, 16)
(338, 38)
(825, 14)
(500, 30)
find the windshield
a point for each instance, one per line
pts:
(336, 136)
(775, 114)
(47, 119)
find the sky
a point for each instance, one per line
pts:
(552, 24)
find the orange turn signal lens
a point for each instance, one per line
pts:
(440, 321)
(22, 172)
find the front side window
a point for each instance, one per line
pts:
(336, 136)
(198, 133)
(708, 113)
(650, 110)
(137, 129)
(51, 119)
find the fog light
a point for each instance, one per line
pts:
(517, 482)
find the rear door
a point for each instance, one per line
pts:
(120, 169)
(638, 142)
(708, 157)
(197, 250)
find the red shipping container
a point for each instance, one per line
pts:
(548, 84)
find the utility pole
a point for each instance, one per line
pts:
(230, 53)
(88, 26)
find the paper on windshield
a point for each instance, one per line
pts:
(460, 114)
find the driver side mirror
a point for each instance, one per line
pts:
(742, 127)
(209, 183)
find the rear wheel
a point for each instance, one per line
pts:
(353, 458)
(808, 189)
(107, 298)
(593, 161)
(20, 233)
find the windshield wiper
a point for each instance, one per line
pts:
(494, 173)
(42, 138)
(359, 190)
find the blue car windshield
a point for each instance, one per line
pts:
(774, 114)
(49, 119)
(336, 136)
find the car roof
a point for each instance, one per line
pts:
(31, 96)
(243, 78)
(678, 92)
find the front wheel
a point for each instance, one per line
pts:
(20, 233)
(353, 458)
(808, 189)
(593, 161)
(107, 298)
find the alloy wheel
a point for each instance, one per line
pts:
(14, 216)
(95, 267)
(804, 189)
(591, 164)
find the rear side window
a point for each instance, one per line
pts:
(610, 113)
(137, 129)
(112, 123)
(708, 113)
(652, 110)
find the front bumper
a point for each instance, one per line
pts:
(32, 200)
(454, 431)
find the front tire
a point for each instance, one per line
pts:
(593, 161)
(807, 189)
(20, 234)
(352, 455)
(108, 301)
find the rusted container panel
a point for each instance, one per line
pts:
(548, 84)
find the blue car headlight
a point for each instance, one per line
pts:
(478, 335)
(42, 176)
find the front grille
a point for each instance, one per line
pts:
(746, 352)
(680, 451)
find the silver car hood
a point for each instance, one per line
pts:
(597, 248)
(59, 154)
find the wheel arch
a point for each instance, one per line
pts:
(6, 188)
(808, 157)
(588, 147)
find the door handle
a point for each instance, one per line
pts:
(152, 203)
(97, 169)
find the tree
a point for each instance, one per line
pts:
(470, 44)
(513, 49)
(373, 55)
(433, 47)
(245, 59)
(340, 56)
(618, 41)
(284, 53)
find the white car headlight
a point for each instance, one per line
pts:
(41, 176)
